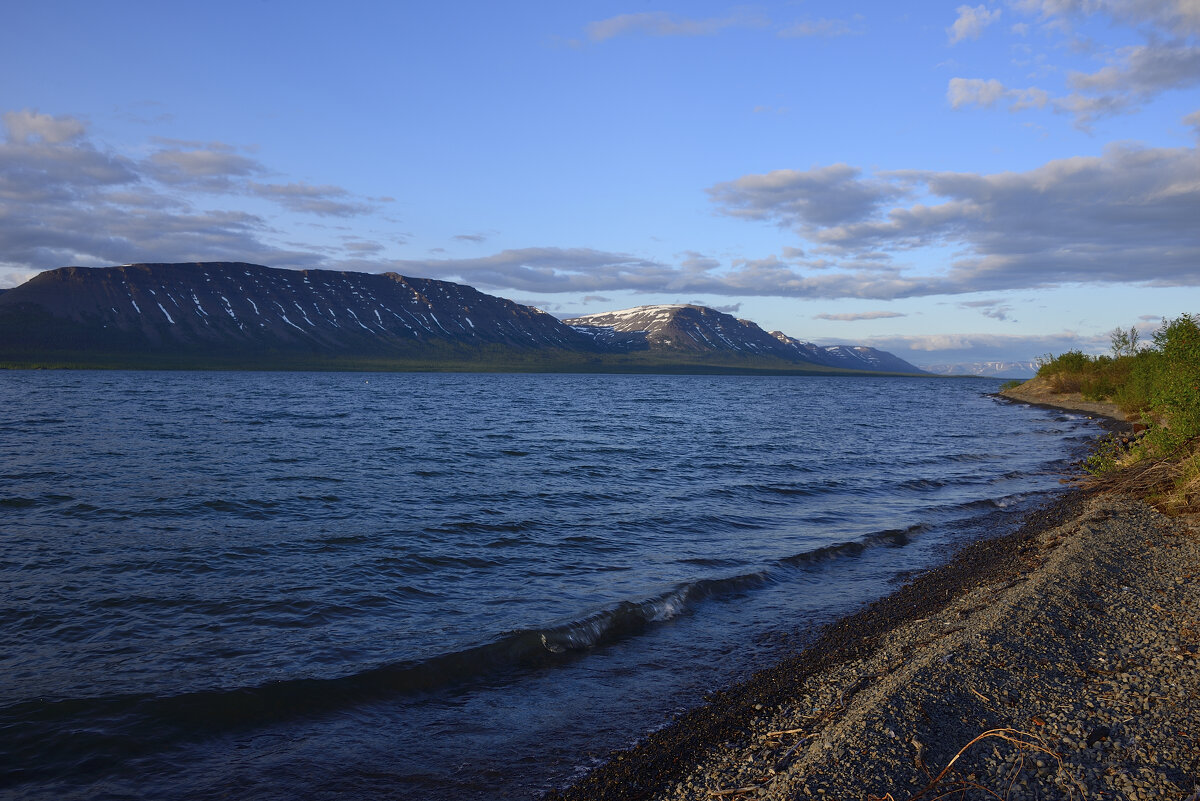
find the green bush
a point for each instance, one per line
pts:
(1133, 395)
(1175, 390)
(1106, 377)
(1071, 362)
(1161, 382)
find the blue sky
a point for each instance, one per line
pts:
(950, 182)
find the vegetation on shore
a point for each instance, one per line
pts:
(1157, 383)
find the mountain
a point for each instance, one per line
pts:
(986, 369)
(679, 328)
(236, 315)
(238, 310)
(690, 329)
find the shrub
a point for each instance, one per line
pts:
(1071, 362)
(1106, 377)
(1160, 382)
(1134, 395)
(1174, 391)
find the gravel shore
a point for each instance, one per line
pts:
(1084, 671)
(1062, 661)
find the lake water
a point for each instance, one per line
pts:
(343, 586)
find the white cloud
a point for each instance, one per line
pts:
(1077, 220)
(856, 316)
(996, 309)
(729, 308)
(1169, 58)
(660, 23)
(15, 277)
(1193, 121)
(971, 22)
(324, 201)
(1087, 110)
(362, 247)
(548, 269)
(1144, 70)
(962, 92)
(820, 196)
(926, 350)
(28, 126)
(1176, 17)
(207, 169)
(825, 28)
(974, 92)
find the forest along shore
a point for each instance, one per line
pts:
(1062, 661)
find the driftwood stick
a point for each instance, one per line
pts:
(734, 791)
(774, 734)
(782, 764)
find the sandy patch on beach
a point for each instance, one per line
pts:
(1039, 391)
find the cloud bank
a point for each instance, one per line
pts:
(66, 200)
(1168, 59)
(1125, 217)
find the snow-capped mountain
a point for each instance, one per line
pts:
(699, 329)
(677, 327)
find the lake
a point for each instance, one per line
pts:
(449, 586)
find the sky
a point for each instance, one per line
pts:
(953, 183)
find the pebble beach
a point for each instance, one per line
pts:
(1061, 661)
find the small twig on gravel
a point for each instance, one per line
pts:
(734, 791)
(782, 764)
(962, 791)
(981, 695)
(771, 735)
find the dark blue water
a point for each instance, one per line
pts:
(271, 586)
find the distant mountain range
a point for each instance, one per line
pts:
(986, 369)
(230, 314)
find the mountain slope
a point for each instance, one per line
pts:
(849, 357)
(231, 307)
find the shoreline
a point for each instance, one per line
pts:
(1037, 392)
(1076, 639)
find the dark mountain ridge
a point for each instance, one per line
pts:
(213, 314)
(231, 307)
